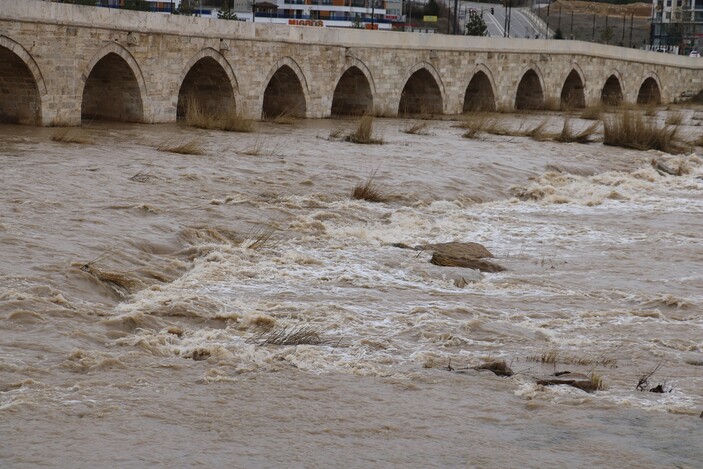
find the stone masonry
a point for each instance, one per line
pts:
(60, 63)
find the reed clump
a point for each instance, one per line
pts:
(190, 147)
(257, 149)
(675, 118)
(539, 132)
(593, 112)
(630, 130)
(477, 123)
(568, 135)
(119, 282)
(597, 382)
(364, 132)
(337, 132)
(416, 128)
(69, 135)
(260, 238)
(368, 191)
(283, 118)
(229, 121)
(553, 357)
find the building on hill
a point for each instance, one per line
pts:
(677, 23)
(363, 14)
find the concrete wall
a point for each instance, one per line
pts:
(58, 55)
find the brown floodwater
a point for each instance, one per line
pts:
(142, 293)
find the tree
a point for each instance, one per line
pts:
(185, 9)
(607, 34)
(356, 24)
(141, 5)
(476, 26)
(558, 34)
(226, 13)
(432, 8)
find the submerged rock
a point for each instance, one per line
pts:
(500, 368)
(455, 254)
(466, 255)
(461, 250)
(466, 262)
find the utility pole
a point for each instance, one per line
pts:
(456, 10)
(624, 19)
(508, 9)
(572, 25)
(632, 19)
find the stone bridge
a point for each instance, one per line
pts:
(62, 63)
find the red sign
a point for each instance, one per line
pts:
(306, 22)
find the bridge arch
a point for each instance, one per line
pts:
(208, 81)
(354, 92)
(423, 91)
(530, 90)
(611, 94)
(480, 92)
(573, 92)
(286, 91)
(22, 87)
(112, 87)
(650, 90)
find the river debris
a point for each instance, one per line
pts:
(662, 168)
(288, 335)
(578, 380)
(119, 282)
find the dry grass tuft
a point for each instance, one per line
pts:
(675, 118)
(143, 176)
(539, 132)
(69, 135)
(597, 382)
(289, 335)
(631, 130)
(260, 238)
(254, 150)
(593, 113)
(482, 122)
(119, 282)
(337, 132)
(368, 191)
(191, 147)
(416, 128)
(257, 149)
(553, 357)
(471, 133)
(549, 357)
(284, 118)
(567, 135)
(231, 121)
(364, 132)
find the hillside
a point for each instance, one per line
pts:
(625, 24)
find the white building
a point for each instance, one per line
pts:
(677, 23)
